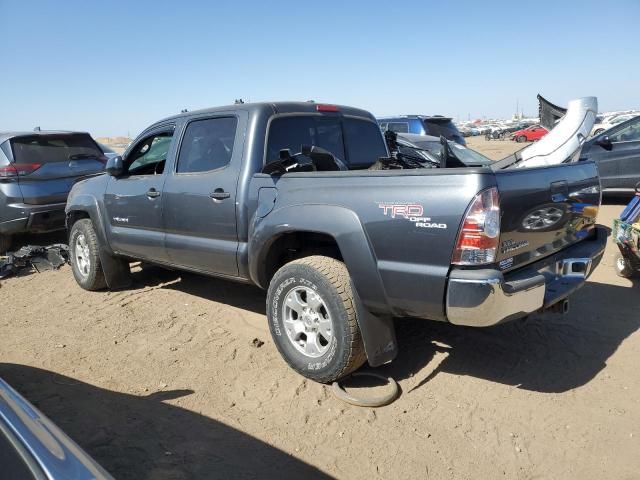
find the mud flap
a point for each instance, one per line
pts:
(116, 271)
(378, 335)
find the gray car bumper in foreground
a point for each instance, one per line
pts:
(20, 217)
(481, 298)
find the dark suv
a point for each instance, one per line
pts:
(435, 125)
(37, 171)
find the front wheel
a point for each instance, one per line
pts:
(312, 318)
(521, 139)
(83, 252)
(623, 266)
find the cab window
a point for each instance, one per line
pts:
(207, 145)
(149, 156)
(629, 133)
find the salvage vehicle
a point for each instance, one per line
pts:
(306, 201)
(434, 125)
(33, 447)
(37, 170)
(616, 152)
(529, 134)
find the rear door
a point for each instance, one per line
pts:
(133, 201)
(543, 210)
(48, 164)
(199, 196)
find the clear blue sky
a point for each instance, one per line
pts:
(114, 67)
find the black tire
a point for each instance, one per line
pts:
(624, 268)
(521, 139)
(487, 136)
(5, 242)
(89, 276)
(329, 279)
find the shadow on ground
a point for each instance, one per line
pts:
(543, 353)
(142, 437)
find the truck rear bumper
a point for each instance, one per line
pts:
(480, 298)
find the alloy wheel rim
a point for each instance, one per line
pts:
(307, 321)
(81, 255)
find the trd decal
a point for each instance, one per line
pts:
(414, 212)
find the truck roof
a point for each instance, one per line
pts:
(275, 108)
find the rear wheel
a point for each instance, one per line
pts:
(521, 139)
(312, 318)
(5, 242)
(624, 268)
(83, 252)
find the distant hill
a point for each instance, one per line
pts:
(114, 141)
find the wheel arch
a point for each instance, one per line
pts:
(334, 229)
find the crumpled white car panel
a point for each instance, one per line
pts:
(564, 142)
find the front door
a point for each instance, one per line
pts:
(625, 150)
(619, 168)
(133, 201)
(199, 197)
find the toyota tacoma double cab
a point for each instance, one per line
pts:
(307, 201)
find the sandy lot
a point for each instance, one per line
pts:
(164, 381)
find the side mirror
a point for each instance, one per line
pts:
(115, 166)
(605, 142)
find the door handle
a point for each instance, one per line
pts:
(153, 193)
(219, 194)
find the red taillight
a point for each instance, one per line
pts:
(323, 107)
(478, 237)
(18, 169)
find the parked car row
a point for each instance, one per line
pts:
(606, 122)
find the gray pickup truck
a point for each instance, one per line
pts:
(343, 238)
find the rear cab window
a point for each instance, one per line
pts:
(207, 145)
(357, 142)
(43, 149)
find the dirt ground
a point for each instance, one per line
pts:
(165, 381)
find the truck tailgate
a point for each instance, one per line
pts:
(544, 210)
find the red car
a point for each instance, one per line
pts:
(529, 134)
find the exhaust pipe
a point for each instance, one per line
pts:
(561, 307)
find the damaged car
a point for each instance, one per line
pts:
(37, 171)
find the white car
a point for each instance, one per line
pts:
(609, 122)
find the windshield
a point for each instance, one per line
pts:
(442, 128)
(357, 142)
(54, 148)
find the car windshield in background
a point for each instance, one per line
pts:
(442, 128)
(358, 143)
(54, 148)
